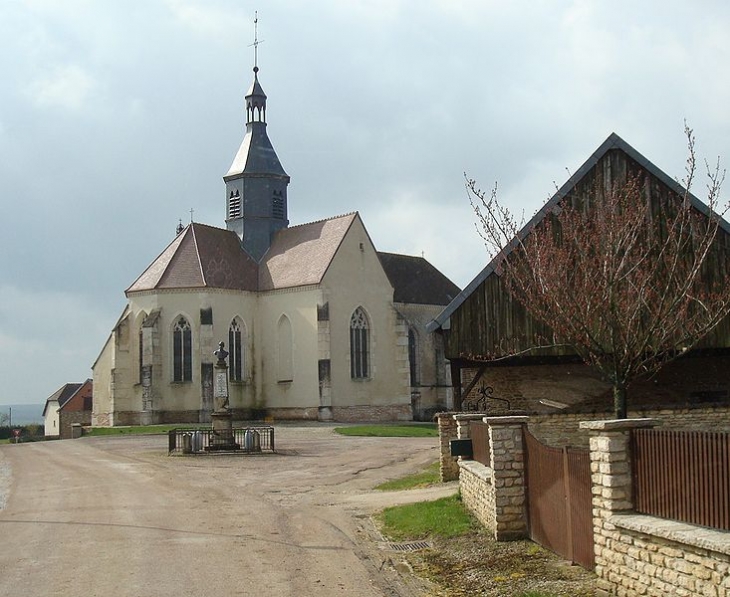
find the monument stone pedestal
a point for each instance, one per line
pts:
(222, 437)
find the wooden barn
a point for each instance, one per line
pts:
(489, 337)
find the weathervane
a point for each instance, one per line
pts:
(256, 42)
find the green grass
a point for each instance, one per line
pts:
(411, 430)
(132, 430)
(445, 517)
(430, 476)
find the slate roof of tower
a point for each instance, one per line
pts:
(416, 281)
(256, 155)
(300, 255)
(201, 256)
(256, 88)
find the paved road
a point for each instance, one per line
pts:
(118, 517)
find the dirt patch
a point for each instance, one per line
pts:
(475, 564)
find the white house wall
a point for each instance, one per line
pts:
(51, 426)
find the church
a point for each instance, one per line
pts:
(318, 324)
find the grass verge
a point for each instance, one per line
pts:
(412, 430)
(131, 430)
(445, 517)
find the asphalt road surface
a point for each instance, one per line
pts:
(118, 517)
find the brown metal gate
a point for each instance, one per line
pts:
(560, 501)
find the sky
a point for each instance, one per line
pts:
(118, 117)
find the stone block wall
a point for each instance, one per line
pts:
(496, 494)
(477, 491)
(563, 429)
(635, 554)
(691, 380)
(644, 555)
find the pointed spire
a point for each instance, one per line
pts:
(255, 97)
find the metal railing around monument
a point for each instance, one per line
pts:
(245, 440)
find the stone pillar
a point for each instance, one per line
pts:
(507, 457)
(448, 467)
(610, 445)
(462, 423)
(324, 412)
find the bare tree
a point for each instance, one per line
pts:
(628, 277)
(4, 419)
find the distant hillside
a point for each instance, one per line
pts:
(24, 414)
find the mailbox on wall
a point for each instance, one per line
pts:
(461, 447)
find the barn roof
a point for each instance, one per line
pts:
(613, 142)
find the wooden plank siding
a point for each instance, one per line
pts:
(490, 324)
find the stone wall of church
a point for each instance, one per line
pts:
(431, 388)
(381, 413)
(356, 279)
(287, 336)
(103, 405)
(209, 314)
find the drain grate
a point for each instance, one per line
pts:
(413, 546)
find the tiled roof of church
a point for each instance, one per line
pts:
(201, 256)
(300, 255)
(416, 281)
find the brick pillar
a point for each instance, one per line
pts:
(612, 484)
(448, 467)
(508, 475)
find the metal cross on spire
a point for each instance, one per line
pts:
(256, 41)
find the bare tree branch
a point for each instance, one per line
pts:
(629, 275)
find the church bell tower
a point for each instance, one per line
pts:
(256, 183)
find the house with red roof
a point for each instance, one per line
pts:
(70, 404)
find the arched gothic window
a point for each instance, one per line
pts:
(285, 347)
(140, 354)
(182, 351)
(359, 345)
(237, 348)
(413, 356)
